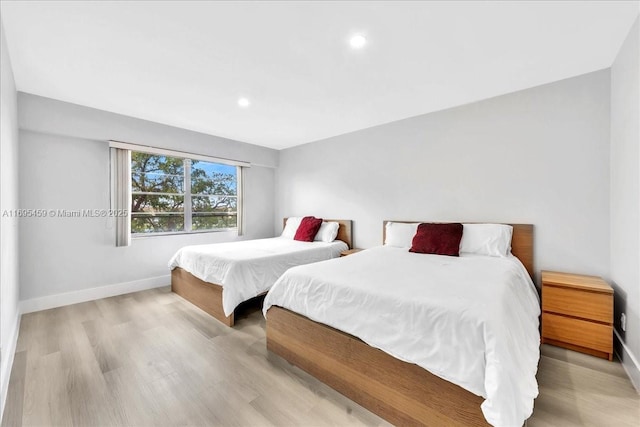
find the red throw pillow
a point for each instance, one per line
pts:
(308, 229)
(439, 239)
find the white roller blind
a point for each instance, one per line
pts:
(175, 153)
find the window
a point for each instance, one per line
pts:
(164, 191)
(175, 194)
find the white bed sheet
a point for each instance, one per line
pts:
(472, 320)
(247, 268)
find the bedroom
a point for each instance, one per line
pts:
(539, 127)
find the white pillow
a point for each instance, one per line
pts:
(291, 227)
(327, 233)
(486, 239)
(400, 235)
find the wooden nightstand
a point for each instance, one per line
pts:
(350, 252)
(577, 313)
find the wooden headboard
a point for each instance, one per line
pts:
(521, 242)
(344, 231)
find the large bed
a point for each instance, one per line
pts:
(415, 338)
(218, 277)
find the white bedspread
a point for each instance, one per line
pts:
(246, 269)
(471, 320)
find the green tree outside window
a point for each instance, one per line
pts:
(171, 194)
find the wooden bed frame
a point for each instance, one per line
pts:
(400, 392)
(208, 296)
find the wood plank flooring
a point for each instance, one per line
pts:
(152, 359)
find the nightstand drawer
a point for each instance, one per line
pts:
(574, 302)
(578, 332)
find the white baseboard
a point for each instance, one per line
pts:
(7, 361)
(84, 295)
(629, 362)
(59, 300)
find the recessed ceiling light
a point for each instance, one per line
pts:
(244, 102)
(358, 41)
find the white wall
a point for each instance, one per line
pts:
(64, 164)
(538, 156)
(9, 285)
(625, 197)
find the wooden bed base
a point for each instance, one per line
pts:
(400, 392)
(208, 296)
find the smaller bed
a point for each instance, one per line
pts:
(218, 277)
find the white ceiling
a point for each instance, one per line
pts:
(187, 63)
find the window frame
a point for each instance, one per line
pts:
(187, 158)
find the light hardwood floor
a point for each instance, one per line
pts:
(151, 358)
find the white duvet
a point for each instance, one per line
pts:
(472, 320)
(247, 268)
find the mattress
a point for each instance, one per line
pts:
(248, 268)
(471, 320)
